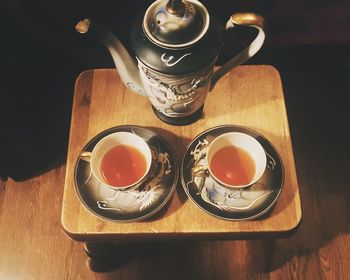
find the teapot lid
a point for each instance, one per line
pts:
(176, 23)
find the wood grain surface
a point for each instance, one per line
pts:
(33, 245)
(249, 96)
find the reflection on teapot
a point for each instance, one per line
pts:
(176, 44)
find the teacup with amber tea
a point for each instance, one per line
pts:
(121, 160)
(234, 160)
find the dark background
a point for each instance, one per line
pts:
(41, 56)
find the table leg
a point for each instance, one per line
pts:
(98, 249)
(107, 256)
(102, 256)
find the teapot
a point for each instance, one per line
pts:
(175, 46)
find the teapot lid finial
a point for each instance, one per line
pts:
(176, 7)
(176, 23)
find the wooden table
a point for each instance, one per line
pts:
(249, 96)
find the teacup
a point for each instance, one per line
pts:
(121, 160)
(234, 160)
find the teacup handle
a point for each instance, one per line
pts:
(242, 19)
(200, 171)
(86, 156)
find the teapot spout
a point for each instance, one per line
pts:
(125, 64)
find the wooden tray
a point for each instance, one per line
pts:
(249, 96)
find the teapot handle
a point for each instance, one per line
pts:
(242, 19)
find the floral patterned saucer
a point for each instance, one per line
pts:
(215, 199)
(129, 205)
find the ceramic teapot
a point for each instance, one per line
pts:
(176, 44)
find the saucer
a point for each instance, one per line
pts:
(129, 205)
(230, 204)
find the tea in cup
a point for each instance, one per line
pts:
(121, 160)
(234, 160)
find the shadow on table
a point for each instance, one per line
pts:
(316, 98)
